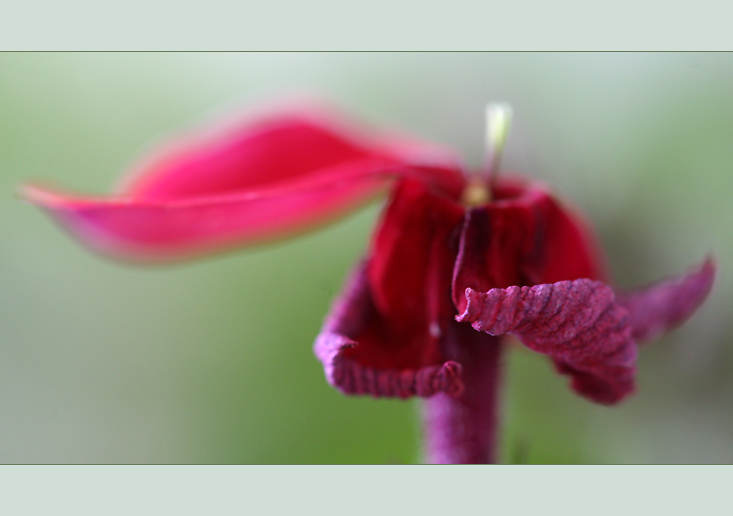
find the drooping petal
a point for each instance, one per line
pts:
(577, 323)
(666, 304)
(351, 316)
(240, 185)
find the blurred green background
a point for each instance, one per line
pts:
(211, 361)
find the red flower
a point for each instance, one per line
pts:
(455, 263)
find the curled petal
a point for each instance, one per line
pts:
(577, 323)
(239, 186)
(663, 305)
(352, 315)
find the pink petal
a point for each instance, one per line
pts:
(150, 231)
(346, 329)
(577, 323)
(272, 151)
(241, 185)
(663, 305)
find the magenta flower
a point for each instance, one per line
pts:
(458, 261)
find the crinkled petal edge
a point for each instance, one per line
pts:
(350, 377)
(577, 323)
(348, 314)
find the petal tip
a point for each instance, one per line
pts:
(709, 268)
(659, 307)
(452, 379)
(471, 311)
(38, 195)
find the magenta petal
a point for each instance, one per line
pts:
(663, 305)
(238, 185)
(577, 323)
(348, 317)
(160, 230)
(273, 151)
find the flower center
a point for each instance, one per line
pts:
(476, 193)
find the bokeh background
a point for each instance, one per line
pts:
(211, 362)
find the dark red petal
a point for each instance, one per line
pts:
(577, 323)
(565, 247)
(412, 257)
(384, 338)
(240, 185)
(523, 237)
(494, 242)
(663, 305)
(348, 328)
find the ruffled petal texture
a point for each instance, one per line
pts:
(577, 323)
(384, 335)
(342, 338)
(241, 185)
(526, 266)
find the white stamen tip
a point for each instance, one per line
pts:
(498, 121)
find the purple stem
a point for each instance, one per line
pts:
(463, 430)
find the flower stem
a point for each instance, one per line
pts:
(463, 430)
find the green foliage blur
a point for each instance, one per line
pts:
(211, 362)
